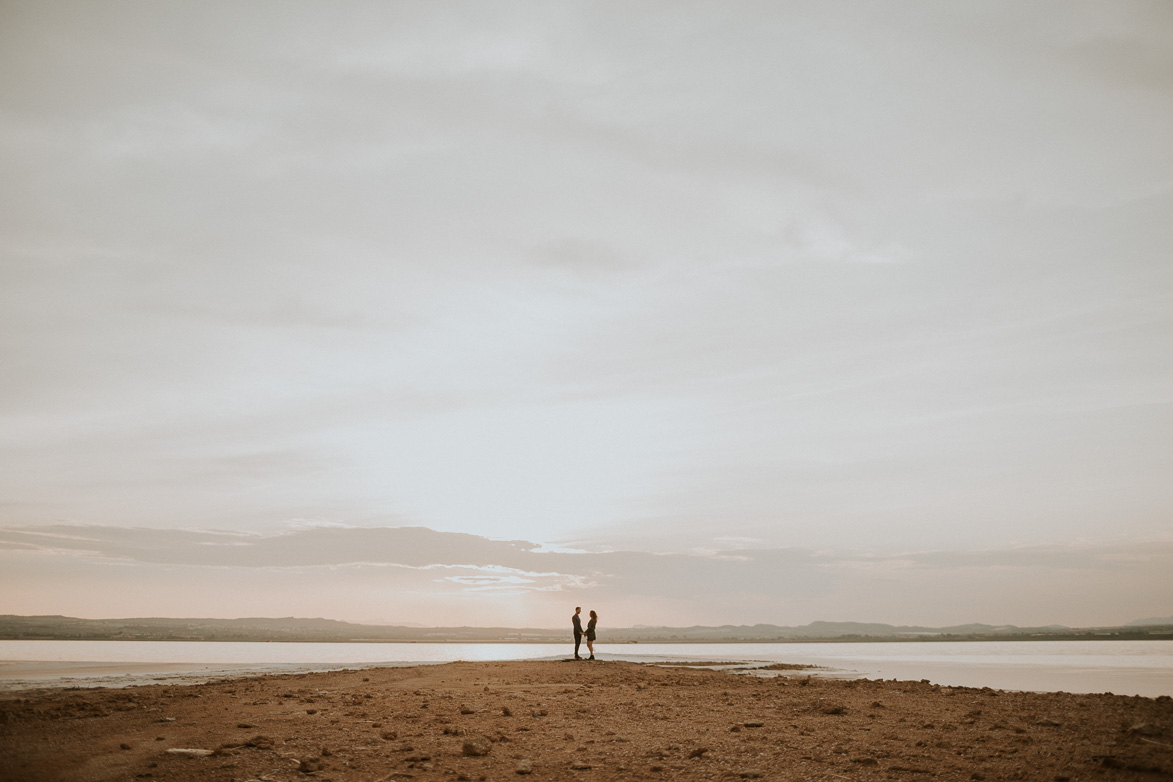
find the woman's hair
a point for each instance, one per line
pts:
(594, 615)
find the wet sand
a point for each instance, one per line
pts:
(36, 674)
(561, 720)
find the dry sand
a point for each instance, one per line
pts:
(588, 721)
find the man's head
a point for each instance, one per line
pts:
(578, 609)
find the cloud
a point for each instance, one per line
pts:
(482, 563)
(895, 276)
(312, 547)
(1108, 557)
(1129, 60)
(414, 566)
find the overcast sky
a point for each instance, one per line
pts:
(692, 313)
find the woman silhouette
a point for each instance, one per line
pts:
(590, 634)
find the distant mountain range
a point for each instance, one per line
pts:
(1160, 620)
(329, 630)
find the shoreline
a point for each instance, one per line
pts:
(1137, 673)
(560, 719)
(17, 676)
(559, 638)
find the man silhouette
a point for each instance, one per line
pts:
(574, 620)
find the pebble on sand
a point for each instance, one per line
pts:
(189, 753)
(476, 746)
(310, 765)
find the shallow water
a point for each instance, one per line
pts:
(1122, 667)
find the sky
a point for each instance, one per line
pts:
(691, 313)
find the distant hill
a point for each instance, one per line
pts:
(1156, 621)
(330, 630)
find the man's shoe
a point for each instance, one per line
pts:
(577, 657)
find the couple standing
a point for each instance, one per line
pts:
(578, 633)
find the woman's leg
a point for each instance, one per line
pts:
(591, 649)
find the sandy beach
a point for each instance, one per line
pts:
(19, 675)
(576, 720)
